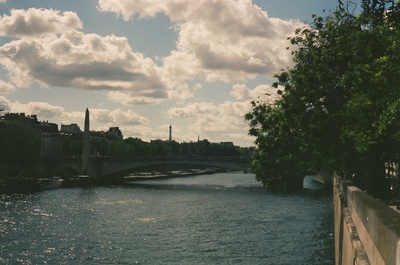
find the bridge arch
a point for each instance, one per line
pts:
(127, 165)
(110, 168)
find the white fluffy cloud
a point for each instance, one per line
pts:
(192, 110)
(263, 92)
(86, 62)
(70, 58)
(127, 9)
(43, 110)
(117, 117)
(218, 39)
(4, 104)
(36, 22)
(6, 87)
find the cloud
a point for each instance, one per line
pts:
(215, 122)
(4, 104)
(91, 62)
(117, 117)
(52, 113)
(41, 109)
(78, 60)
(264, 92)
(127, 9)
(144, 132)
(58, 55)
(35, 22)
(192, 110)
(218, 122)
(218, 40)
(6, 88)
(228, 123)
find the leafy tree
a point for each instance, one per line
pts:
(175, 148)
(71, 146)
(188, 148)
(204, 147)
(338, 109)
(159, 148)
(100, 146)
(280, 157)
(141, 147)
(119, 148)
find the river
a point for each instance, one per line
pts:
(224, 218)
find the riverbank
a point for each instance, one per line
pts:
(24, 185)
(19, 185)
(171, 174)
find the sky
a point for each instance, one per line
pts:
(143, 65)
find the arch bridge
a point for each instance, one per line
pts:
(116, 168)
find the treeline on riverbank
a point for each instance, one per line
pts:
(137, 147)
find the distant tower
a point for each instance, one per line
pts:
(170, 132)
(86, 145)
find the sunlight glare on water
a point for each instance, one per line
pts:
(208, 219)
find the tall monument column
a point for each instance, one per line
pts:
(170, 132)
(86, 152)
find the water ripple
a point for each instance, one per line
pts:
(216, 219)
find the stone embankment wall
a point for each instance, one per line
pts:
(366, 230)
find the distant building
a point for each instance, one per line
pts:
(51, 142)
(31, 120)
(230, 144)
(114, 133)
(72, 129)
(48, 127)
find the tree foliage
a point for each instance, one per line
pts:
(339, 105)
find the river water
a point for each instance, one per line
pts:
(209, 219)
